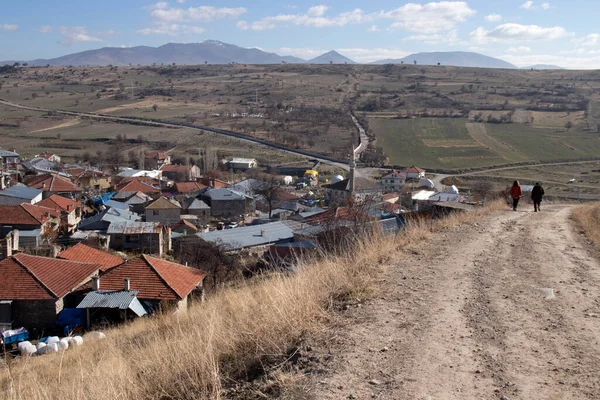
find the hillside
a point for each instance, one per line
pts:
(331, 57)
(209, 51)
(543, 66)
(453, 58)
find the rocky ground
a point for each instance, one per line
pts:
(507, 307)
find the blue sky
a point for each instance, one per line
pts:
(521, 32)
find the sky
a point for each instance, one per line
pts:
(559, 32)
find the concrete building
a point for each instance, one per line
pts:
(181, 173)
(163, 210)
(144, 237)
(227, 203)
(70, 211)
(393, 181)
(156, 159)
(198, 208)
(242, 164)
(50, 157)
(414, 172)
(9, 157)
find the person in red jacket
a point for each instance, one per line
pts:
(516, 193)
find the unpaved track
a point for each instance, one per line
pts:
(465, 316)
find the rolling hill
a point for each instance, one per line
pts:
(454, 58)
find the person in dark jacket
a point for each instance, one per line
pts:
(536, 196)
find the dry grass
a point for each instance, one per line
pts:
(235, 336)
(587, 217)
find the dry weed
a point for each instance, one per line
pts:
(587, 217)
(235, 336)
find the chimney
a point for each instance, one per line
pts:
(44, 186)
(127, 284)
(95, 283)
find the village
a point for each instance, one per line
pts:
(83, 248)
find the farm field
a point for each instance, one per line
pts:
(435, 116)
(453, 143)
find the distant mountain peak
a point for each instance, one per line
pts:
(331, 57)
(453, 58)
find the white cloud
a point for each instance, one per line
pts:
(161, 5)
(545, 6)
(588, 41)
(181, 1)
(202, 13)
(76, 34)
(45, 29)
(519, 49)
(9, 27)
(591, 61)
(171, 29)
(512, 32)
(427, 18)
(493, 17)
(373, 28)
(317, 11)
(528, 5)
(430, 17)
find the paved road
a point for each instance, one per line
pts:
(505, 306)
(140, 121)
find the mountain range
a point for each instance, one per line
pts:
(216, 52)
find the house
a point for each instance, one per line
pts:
(198, 208)
(227, 203)
(181, 173)
(359, 188)
(136, 201)
(242, 164)
(393, 181)
(163, 210)
(156, 159)
(188, 187)
(69, 210)
(32, 221)
(137, 185)
(139, 173)
(102, 220)
(90, 178)
(16, 195)
(50, 157)
(213, 182)
(425, 199)
(54, 184)
(112, 305)
(9, 244)
(255, 237)
(184, 227)
(35, 289)
(84, 253)
(414, 172)
(157, 281)
(146, 237)
(9, 157)
(40, 166)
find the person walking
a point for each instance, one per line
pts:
(516, 193)
(536, 196)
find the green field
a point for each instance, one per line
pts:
(446, 143)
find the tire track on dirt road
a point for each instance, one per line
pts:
(505, 306)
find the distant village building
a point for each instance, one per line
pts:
(32, 221)
(16, 195)
(354, 187)
(163, 210)
(87, 178)
(181, 173)
(242, 164)
(414, 172)
(156, 159)
(50, 157)
(9, 157)
(70, 211)
(33, 290)
(227, 203)
(144, 237)
(393, 181)
(198, 208)
(188, 187)
(54, 184)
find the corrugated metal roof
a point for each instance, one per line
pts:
(21, 192)
(253, 235)
(222, 194)
(133, 227)
(6, 153)
(121, 299)
(198, 205)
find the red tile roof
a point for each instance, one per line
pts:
(189, 187)
(52, 183)
(216, 183)
(176, 168)
(157, 155)
(45, 155)
(83, 253)
(339, 213)
(394, 171)
(285, 196)
(26, 214)
(155, 279)
(413, 168)
(59, 203)
(137, 186)
(183, 225)
(26, 277)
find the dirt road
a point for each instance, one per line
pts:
(506, 306)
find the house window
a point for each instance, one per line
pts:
(155, 212)
(132, 239)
